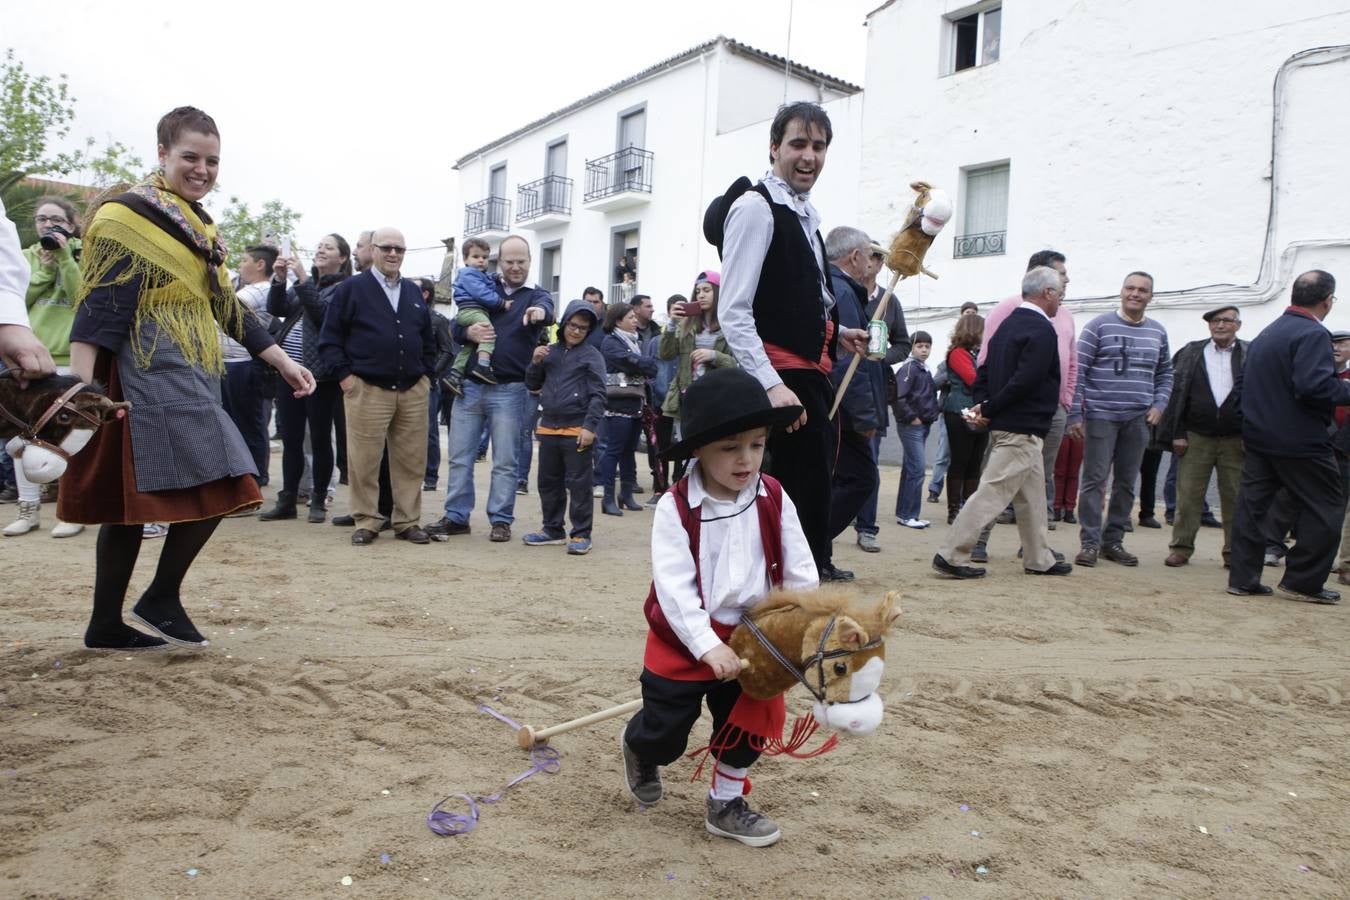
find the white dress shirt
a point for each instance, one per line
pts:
(1219, 368)
(745, 242)
(730, 561)
(14, 274)
(392, 289)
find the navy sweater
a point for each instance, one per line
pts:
(1289, 390)
(570, 382)
(363, 335)
(1018, 385)
(515, 341)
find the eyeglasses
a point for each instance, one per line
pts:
(577, 326)
(51, 220)
(391, 248)
(1222, 321)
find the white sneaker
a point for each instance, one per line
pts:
(914, 523)
(66, 529)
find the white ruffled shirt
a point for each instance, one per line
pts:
(731, 561)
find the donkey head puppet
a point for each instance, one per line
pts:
(50, 421)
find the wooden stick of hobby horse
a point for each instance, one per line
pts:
(857, 357)
(527, 737)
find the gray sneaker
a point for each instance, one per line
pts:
(868, 542)
(644, 779)
(736, 820)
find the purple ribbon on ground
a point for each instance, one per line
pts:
(544, 759)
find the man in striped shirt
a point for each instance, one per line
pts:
(1124, 381)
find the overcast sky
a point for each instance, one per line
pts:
(353, 113)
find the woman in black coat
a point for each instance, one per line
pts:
(626, 374)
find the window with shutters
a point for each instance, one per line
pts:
(984, 213)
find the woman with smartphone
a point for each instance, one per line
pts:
(694, 336)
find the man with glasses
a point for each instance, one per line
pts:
(1203, 425)
(1289, 394)
(1124, 382)
(378, 341)
(502, 406)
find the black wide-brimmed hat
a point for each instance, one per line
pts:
(725, 402)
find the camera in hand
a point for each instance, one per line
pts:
(48, 238)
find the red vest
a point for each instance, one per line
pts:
(666, 655)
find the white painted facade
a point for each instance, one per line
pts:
(707, 122)
(1138, 135)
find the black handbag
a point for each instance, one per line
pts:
(619, 385)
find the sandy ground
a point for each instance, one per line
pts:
(1119, 732)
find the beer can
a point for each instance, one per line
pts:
(878, 339)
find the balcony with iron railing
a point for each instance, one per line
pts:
(989, 243)
(621, 179)
(488, 218)
(544, 203)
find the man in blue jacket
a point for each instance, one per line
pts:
(862, 413)
(1289, 392)
(378, 342)
(1016, 393)
(503, 405)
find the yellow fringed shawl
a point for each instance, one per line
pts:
(176, 294)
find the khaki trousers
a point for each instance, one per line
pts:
(1014, 472)
(1204, 455)
(376, 418)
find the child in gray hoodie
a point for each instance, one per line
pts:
(569, 377)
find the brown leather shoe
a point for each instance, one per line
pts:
(501, 532)
(1175, 560)
(413, 534)
(363, 536)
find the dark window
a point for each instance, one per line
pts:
(966, 42)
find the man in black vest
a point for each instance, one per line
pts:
(777, 312)
(1204, 426)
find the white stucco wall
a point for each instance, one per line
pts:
(1139, 135)
(694, 161)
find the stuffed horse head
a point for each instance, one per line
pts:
(50, 421)
(829, 642)
(929, 212)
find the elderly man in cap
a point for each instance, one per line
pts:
(1203, 425)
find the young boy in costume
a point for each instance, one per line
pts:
(723, 537)
(569, 376)
(476, 297)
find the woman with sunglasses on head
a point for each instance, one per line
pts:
(52, 287)
(154, 296)
(301, 309)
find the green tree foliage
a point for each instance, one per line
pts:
(240, 227)
(35, 113)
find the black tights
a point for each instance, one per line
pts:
(115, 559)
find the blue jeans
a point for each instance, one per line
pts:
(944, 459)
(621, 440)
(866, 520)
(907, 502)
(529, 417)
(498, 407)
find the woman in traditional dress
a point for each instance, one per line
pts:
(153, 293)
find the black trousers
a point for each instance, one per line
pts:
(1314, 484)
(659, 733)
(803, 460)
(316, 410)
(665, 430)
(1148, 481)
(855, 478)
(564, 472)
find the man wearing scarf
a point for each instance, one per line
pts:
(777, 312)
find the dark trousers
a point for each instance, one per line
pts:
(665, 433)
(855, 480)
(967, 459)
(659, 732)
(866, 520)
(438, 408)
(1315, 485)
(621, 440)
(1148, 481)
(293, 415)
(802, 460)
(241, 393)
(565, 472)
(340, 436)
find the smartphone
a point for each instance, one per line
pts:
(286, 248)
(692, 308)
